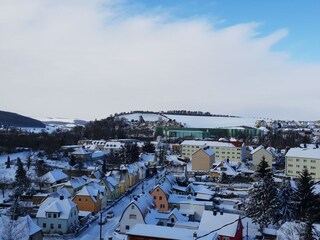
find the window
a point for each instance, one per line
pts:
(297, 160)
(132, 216)
(51, 225)
(59, 225)
(290, 165)
(86, 199)
(290, 171)
(297, 165)
(54, 215)
(44, 225)
(160, 198)
(49, 215)
(154, 197)
(304, 160)
(313, 161)
(79, 200)
(127, 227)
(313, 167)
(157, 189)
(132, 206)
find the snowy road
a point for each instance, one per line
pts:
(93, 232)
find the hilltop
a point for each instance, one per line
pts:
(9, 119)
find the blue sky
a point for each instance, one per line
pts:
(88, 59)
(300, 18)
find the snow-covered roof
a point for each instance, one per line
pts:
(63, 206)
(144, 202)
(112, 181)
(257, 149)
(61, 192)
(54, 176)
(224, 167)
(114, 145)
(209, 222)
(174, 160)
(180, 199)
(304, 153)
(154, 214)
(21, 229)
(76, 182)
(81, 151)
(93, 190)
(161, 232)
(98, 154)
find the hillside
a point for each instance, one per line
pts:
(9, 119)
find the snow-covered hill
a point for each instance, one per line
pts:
(150, 117)
(212, 122)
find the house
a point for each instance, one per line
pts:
(81, 155)
(53, 177)
(75, 184)
(24, 228)
(154, 232)
(234, 151)
(136, 212)
(91, 198)
(112, 187)
(57, 215)
(212, 220)
(258, 153)
(298, 158)
(189, 206)
(200, 192)
(142, 169)
(133, 173)
(223, 168)
(160, 194)
(202, 159)
(167, 219)
(115, 146)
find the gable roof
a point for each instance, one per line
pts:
(63, 206)
(209, 222)
(24, 226)
(81, 151)
(54, 176)
(224, 167)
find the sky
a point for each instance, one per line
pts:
(88, 59)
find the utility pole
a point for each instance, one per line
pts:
(100, 223)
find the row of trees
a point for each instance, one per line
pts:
(266, 204)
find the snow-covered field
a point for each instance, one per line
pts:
(213, 122)
(151, 117)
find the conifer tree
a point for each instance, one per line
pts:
(8, 162)
(262, 202)
(21, 177)
(286, 203)
(29, 162)
(308, 204)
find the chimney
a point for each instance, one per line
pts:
(221, 211)
(214, 212)
(195, 235)
(61, 197)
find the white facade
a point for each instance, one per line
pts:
(57, 215)
(130, 217)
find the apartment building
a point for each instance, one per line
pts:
(298, 158)
(234, 151)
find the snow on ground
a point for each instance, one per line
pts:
(93, 231)
(213, 122)
(151, 117)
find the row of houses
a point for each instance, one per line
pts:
(170, 211)
(68, 200)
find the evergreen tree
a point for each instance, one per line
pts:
(18, 161)
(72, 161)
(286, 203)
(308, 204)
(263, 169)
(8, 162)
(262, 202)
(21, 177)
(148, 148)
(104, 166)
(29, 162)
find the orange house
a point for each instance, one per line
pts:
(160, 194)
(88, 199)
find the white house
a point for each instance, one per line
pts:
(54, 177)
(136, 212)
(57, 215)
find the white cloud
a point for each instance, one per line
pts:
(87, 59)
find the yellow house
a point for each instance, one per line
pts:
(203, 159)
(260, 152)
(298, 158)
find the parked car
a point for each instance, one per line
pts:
(110, 214)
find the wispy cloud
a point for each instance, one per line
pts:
(87, 59)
